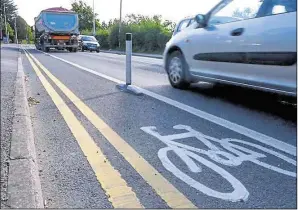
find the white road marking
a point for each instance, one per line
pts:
(270, 141)
(138, 60)
(235, 157)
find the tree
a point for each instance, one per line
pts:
(10, 11)
(169, 25)
(10, 30)
(22, 28)
(30, 36)
(85, 13)
(104, 25)
(246, 13)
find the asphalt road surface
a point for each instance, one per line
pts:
(207, 147)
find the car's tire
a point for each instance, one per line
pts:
(97, 51)
(91, 50)
(75, 49)
(177, 68)
(70, 49)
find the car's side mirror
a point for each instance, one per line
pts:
(201, 19)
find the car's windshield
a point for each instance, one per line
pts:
(237, 10)
(89, 38)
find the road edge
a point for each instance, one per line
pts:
(24, 188)
(133, 54)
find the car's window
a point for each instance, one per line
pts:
(237, 10)
(273, 7)
(183, 25)
(88, 38)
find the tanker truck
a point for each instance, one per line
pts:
(57, 28)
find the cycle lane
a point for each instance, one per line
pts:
(130, 117)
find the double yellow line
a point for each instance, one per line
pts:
(119, 193)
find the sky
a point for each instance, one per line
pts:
(173, 10)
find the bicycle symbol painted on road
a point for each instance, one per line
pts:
(231, 154)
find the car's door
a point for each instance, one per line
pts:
(276, 56)
(216, 51)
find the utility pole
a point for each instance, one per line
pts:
(15, 29)
(93, 20)
(6, 34)
(120, 23)
(27, 40)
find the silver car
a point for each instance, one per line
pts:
(254, 45)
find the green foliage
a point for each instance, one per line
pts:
(102, 35)
(85, 13)
(10, 31)
(150, 34)
(30, 34)
(86, 32)
(22, 27)
(10, 11)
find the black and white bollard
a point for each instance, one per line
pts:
(128, 39)
(127, 87)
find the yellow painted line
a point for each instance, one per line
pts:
(109, 178)
(172, 196)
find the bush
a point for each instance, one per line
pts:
(102, 37)
(150, 34)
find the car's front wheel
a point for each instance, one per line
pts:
(176, 69)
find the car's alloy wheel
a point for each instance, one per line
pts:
(175, 70)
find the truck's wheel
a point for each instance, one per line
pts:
(70, 49)
(45, 49)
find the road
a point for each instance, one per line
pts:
(206, 147)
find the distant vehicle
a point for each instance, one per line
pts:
(89, 43)
(57, 28)
(256, 50)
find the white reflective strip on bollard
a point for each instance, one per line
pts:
(128, 58)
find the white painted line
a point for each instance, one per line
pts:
(280, 145)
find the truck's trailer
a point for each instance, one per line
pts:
(57, 28)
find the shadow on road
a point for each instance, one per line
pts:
(281, 106)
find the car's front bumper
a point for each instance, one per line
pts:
(86, 47)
